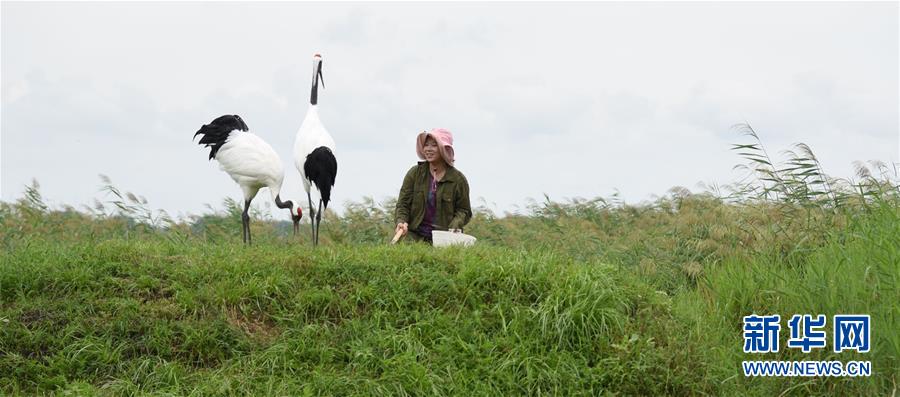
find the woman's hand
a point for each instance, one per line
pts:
(400, 231)
(402, 227)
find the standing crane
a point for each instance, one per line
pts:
(250, 161)
(314, 154)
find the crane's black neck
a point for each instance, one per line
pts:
(314, 93)
(287, 204)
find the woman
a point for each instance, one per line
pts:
(435, 195)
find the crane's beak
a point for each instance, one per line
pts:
(319, 74)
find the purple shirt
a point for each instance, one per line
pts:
(427, 224)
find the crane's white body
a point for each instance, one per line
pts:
(311, 135)
(248, 160)
(314, 154)
(252, 163)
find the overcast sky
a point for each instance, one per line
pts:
(575, 100)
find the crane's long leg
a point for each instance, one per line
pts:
(245, 221)
(318, 221)
(312, 215)
(243, 228)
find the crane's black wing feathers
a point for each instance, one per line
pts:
(216, 133)
(320, 167)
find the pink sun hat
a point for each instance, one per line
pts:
(444, 139)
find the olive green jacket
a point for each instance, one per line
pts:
(453, 208)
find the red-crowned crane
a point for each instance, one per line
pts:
(314, 154)
(250, 161)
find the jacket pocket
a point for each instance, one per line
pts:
(446, 210)
(447, 195)
(417, 205)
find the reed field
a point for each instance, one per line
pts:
(572, 297)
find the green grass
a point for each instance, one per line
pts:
(131, 316)
(124, 317)
(585, 297)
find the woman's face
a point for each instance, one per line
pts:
(430, 150)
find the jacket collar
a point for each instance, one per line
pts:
(451, 175)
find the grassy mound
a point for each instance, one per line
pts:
(131, 316)
(124, 317)
(588, 297)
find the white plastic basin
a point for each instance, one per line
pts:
(444, 239)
